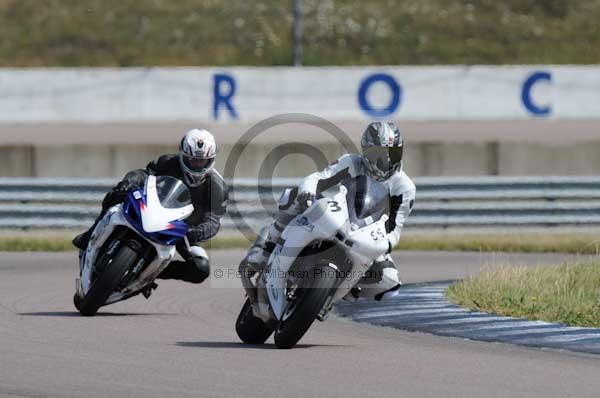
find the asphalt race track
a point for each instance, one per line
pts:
(182, 342)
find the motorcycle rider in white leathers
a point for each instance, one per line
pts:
(381, 158)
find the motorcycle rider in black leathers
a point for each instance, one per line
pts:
(194, 166)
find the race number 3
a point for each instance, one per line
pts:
(334, 206)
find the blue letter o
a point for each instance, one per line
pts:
(394, 102)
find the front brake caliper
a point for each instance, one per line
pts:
(291, 291)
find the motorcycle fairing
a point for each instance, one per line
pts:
(154, 216)
(326, 219)
(143, 213)
(113, 218)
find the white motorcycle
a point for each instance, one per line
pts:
(132, 244)
(321, 255)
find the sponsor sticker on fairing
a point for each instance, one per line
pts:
(304, 223)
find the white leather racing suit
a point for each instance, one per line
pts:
(402, 198)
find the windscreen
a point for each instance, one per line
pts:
(172, 193)
(366, 198)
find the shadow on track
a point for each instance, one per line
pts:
(232, 344)
(67, 314)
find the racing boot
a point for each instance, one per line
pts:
(260, 251)
(388, 294)
(81, 241)
(254, 262)
(114, 196)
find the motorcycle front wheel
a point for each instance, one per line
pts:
(303, 310)
(106, 282)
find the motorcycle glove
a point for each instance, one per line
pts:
(304, 200)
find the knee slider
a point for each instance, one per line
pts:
(200, 271)
(202, 265)
(375, 273)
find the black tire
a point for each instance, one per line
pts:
(106, 282)
(76, 301)
(291, 330)
(250, 329)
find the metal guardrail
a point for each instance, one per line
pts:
(441, 201)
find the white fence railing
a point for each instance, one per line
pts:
(441, 202)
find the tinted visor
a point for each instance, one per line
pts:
(196, 164)
(384, 158)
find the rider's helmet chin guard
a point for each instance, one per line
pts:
(382, 149)
(197, 153)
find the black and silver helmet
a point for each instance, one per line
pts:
(382, 147)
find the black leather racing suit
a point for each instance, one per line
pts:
(209, 200)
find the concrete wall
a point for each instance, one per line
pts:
(533, 159)
(458, 120)
(421, 159)
(246, 94)
(17, 161)
(533, 131)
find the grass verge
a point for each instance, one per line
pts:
(568, 293)
(63, 243)
(336, 32)
(526, 243)
(576, 243)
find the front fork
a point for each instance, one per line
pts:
(78, 286)
(246, 275)
(261, 307)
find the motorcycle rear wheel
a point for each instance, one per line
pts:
(106, 282)
(250, 329)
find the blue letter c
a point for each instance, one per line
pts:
(526, 94)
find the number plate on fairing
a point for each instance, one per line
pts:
(370, 241)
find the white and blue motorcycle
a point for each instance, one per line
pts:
(321, 255)
(132, 244)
